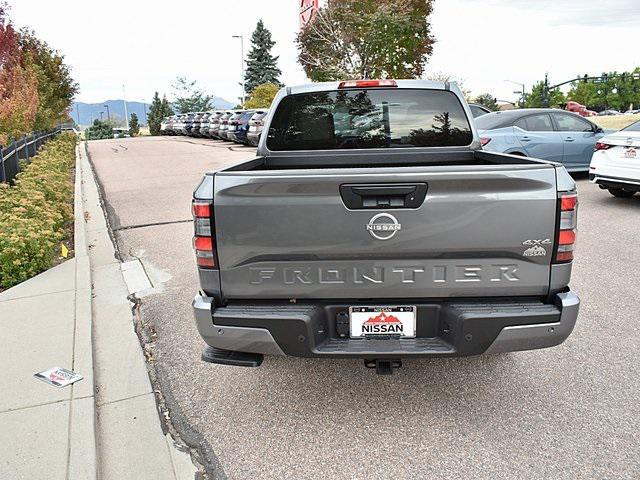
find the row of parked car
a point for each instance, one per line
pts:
(240, 126)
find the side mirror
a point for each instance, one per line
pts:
(597, 129)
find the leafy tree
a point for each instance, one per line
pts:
(262, 96)
(99, 130)
(366, 39)
(18, 84)
(488, 101)
(188, 97)
(585, 93)
(534, 99)
(134, 126)
(616, 90)
(262, 67)
(56, 88)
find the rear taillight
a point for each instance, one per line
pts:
(602, 146)
(367, 83)
(567, 224)
(204, 239)
(484, 140)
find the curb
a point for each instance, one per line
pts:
(129, 437)
(82, 450)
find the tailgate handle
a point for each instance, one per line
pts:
(383, 195)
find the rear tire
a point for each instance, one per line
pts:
(620, 193)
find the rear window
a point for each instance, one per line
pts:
(491, 121)
(634, 127)
(380, 118)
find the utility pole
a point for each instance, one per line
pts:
(126, 114)
(78, 114)
(241, 64)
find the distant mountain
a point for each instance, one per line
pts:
(221, 104)
(88, 112)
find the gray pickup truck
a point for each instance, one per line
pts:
(371, 224)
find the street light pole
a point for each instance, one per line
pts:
(126, 114)
(241, 64)
(523, 91)
(108, 112)
(101, 113)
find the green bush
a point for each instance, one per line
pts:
(99, 130)
(35, 212)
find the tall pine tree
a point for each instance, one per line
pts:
(154, 117)
(134, 126)
(262, 67)
(165, 107)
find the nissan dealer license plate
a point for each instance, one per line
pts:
(368, 322)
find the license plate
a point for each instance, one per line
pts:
(368, 322)
(253, 128)
(630, 152)
(231, 129)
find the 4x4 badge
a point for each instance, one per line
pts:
(546, 241)
(536, 249)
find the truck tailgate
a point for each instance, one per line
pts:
(480, 231)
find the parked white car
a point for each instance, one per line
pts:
(615, 164)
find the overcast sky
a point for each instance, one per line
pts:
(145, 44)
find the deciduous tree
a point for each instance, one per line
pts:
(188, 97)
(262, 96)
(18, 84)
(367, 39)
(56, 87)
(534, 99)
(615, 90)
(488, 101)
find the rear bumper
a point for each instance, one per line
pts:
(607, 181)
(460, 328)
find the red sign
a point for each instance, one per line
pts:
(308, 9)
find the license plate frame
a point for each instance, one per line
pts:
(630, 152)
(379, 323)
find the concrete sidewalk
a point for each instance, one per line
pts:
(77, 316)
(49, 432)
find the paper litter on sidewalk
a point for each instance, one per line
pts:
(58, 377)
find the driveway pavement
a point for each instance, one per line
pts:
(566, 412)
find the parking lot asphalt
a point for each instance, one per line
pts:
(562, 413)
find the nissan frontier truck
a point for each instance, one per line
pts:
(371, 224)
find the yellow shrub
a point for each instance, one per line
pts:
(35, 212)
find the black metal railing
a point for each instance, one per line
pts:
(23, 149)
